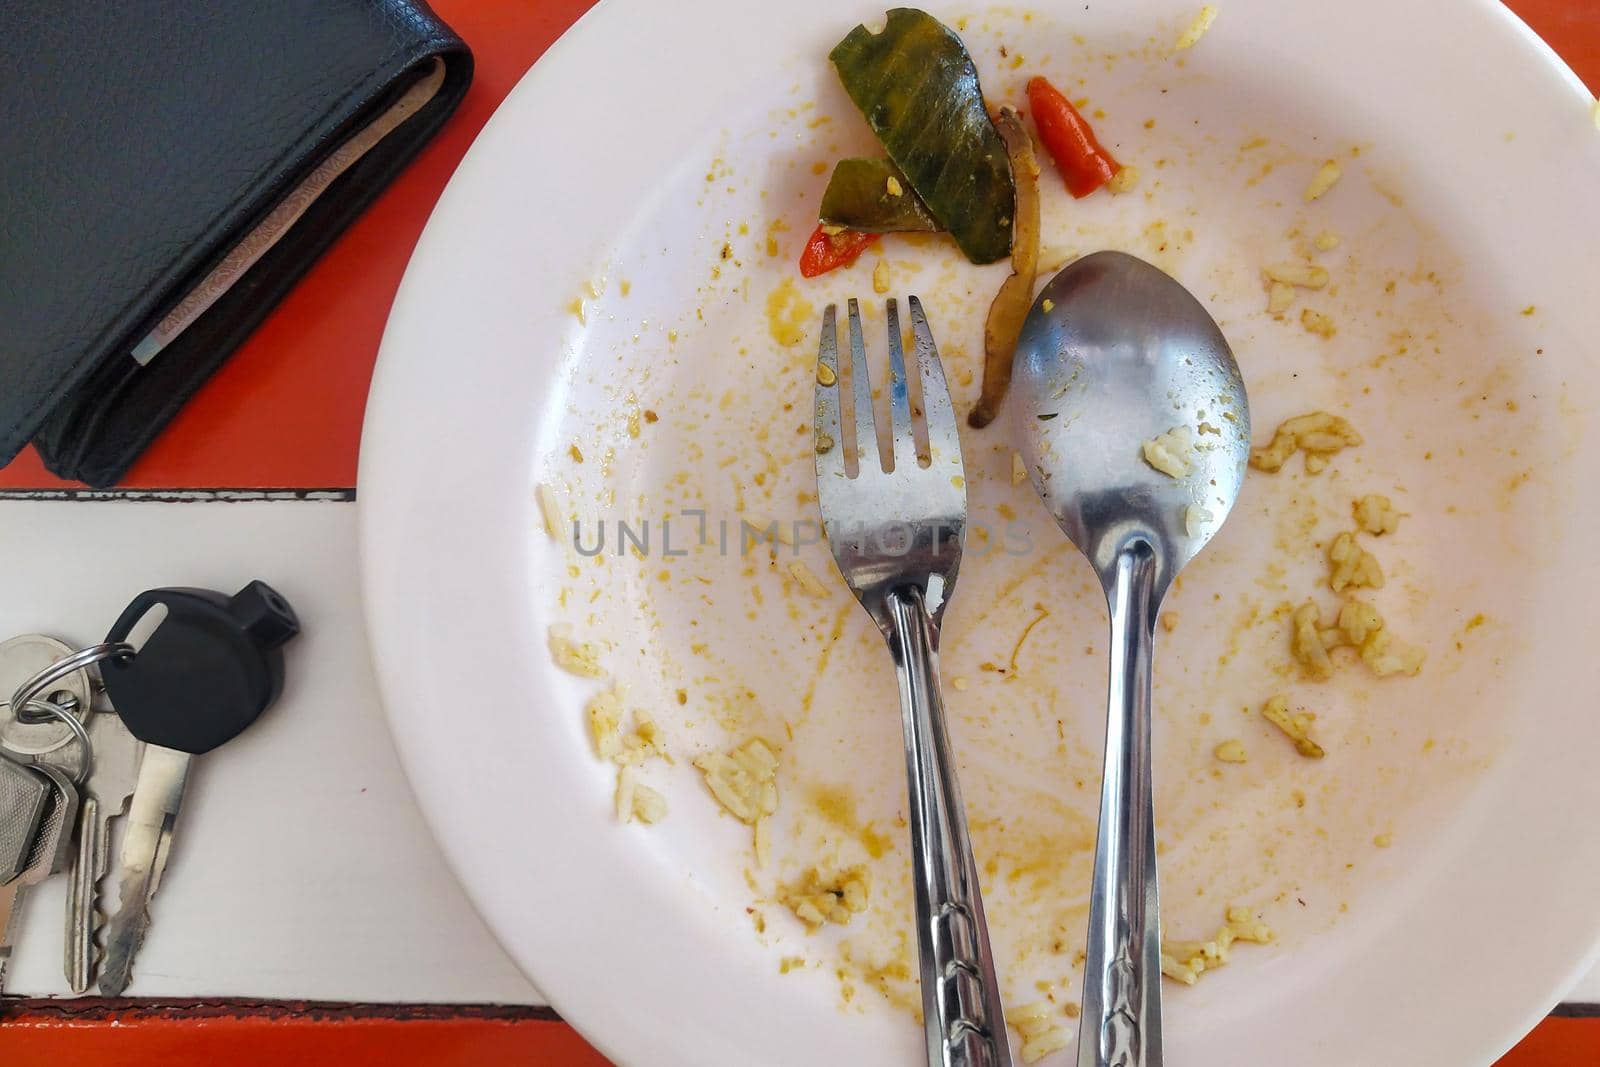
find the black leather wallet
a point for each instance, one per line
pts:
(168, 169)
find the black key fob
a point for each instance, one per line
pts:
(209, 670)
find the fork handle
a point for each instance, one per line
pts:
(961, 1009)
(1122, 969)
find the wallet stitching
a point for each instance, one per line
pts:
(434, 44)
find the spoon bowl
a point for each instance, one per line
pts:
(1132, 418)
(1113, 354)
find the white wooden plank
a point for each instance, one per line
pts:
(302, 868)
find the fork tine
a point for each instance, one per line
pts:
(944, 443)
(861, 380)
(829, 441)
(900, 427)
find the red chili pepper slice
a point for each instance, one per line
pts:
(1070, 140)
(828, 251)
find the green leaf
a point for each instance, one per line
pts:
(919, 91)
(862, 196)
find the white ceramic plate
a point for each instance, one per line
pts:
(611, 276)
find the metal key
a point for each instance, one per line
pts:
(20, 659)
(209, 670)
(50, 852)
(105, 798)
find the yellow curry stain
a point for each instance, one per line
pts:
(775, 227)
(1036, 856)
(788, 314)
(836, 805)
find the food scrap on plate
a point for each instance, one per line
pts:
(953, 166)
(1015, 297)
(918, 89)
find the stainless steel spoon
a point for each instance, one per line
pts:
(1114, 354)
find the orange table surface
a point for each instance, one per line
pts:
(238, 1034)
(286, 413)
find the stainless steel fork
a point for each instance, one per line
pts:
(896, 535)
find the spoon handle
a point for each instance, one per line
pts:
(961, 1009)
(1122, 971)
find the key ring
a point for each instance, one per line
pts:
(39, 710)
(30, 709)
